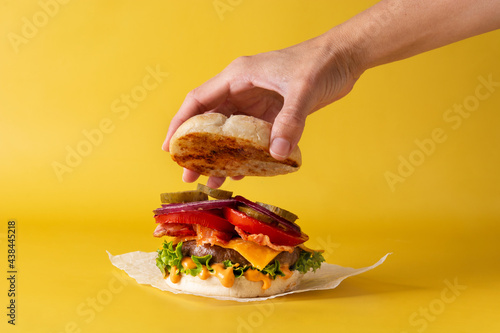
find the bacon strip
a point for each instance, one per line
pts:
(174, 230)
(264, 240)
(211, 236)
(203, 235)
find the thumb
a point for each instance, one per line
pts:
(288, 126)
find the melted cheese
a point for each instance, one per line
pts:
(259, 256)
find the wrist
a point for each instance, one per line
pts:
(374, 36)
(344, 47)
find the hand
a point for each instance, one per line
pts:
(285, 86)
(282, 87)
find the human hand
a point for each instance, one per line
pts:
(282, 87)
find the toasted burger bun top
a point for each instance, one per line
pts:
(215, 145)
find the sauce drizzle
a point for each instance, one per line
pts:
(173, 275)
(255, 275)
(225, 275)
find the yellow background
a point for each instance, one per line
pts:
(441, 223)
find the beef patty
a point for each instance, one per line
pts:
(219, 254)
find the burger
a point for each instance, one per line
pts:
(218, 244)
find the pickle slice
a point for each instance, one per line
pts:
(256, 215)
(289, 216)
(182, 197)
(214, 193)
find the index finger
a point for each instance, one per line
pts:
(202, 99)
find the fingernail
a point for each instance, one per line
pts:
(189, 176)
(215, 182)
(280, 148)
(184, 176)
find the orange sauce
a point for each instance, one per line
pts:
(173, 275)
(225, 275)
(288, 273)
(255, 275)
(204, 274)
(188, 263)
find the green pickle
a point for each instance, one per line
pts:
(256, 215)
(214, 193)
(183, 197)
(289, 216)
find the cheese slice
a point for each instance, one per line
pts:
(259, 256)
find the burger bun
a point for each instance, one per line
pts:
(242, 288)
(215, 145)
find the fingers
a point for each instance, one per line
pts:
(215, 182)
(202, 99)
(289, 125)
(189, 176)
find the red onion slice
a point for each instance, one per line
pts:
(195, 205)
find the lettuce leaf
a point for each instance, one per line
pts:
(273, 269)
(200, 262)
(308, 261)
(238, 270)
(168, 257)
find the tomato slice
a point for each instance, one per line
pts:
(203, 218)
(279, 234)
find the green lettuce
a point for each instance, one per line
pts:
(200, 262)
(273, 269)
(237, 269)
(168, 257)
(308, 261)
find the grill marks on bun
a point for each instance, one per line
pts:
(214, 145)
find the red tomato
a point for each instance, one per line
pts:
(203, 218)
(279, 234)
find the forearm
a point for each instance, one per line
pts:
(393, 30)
